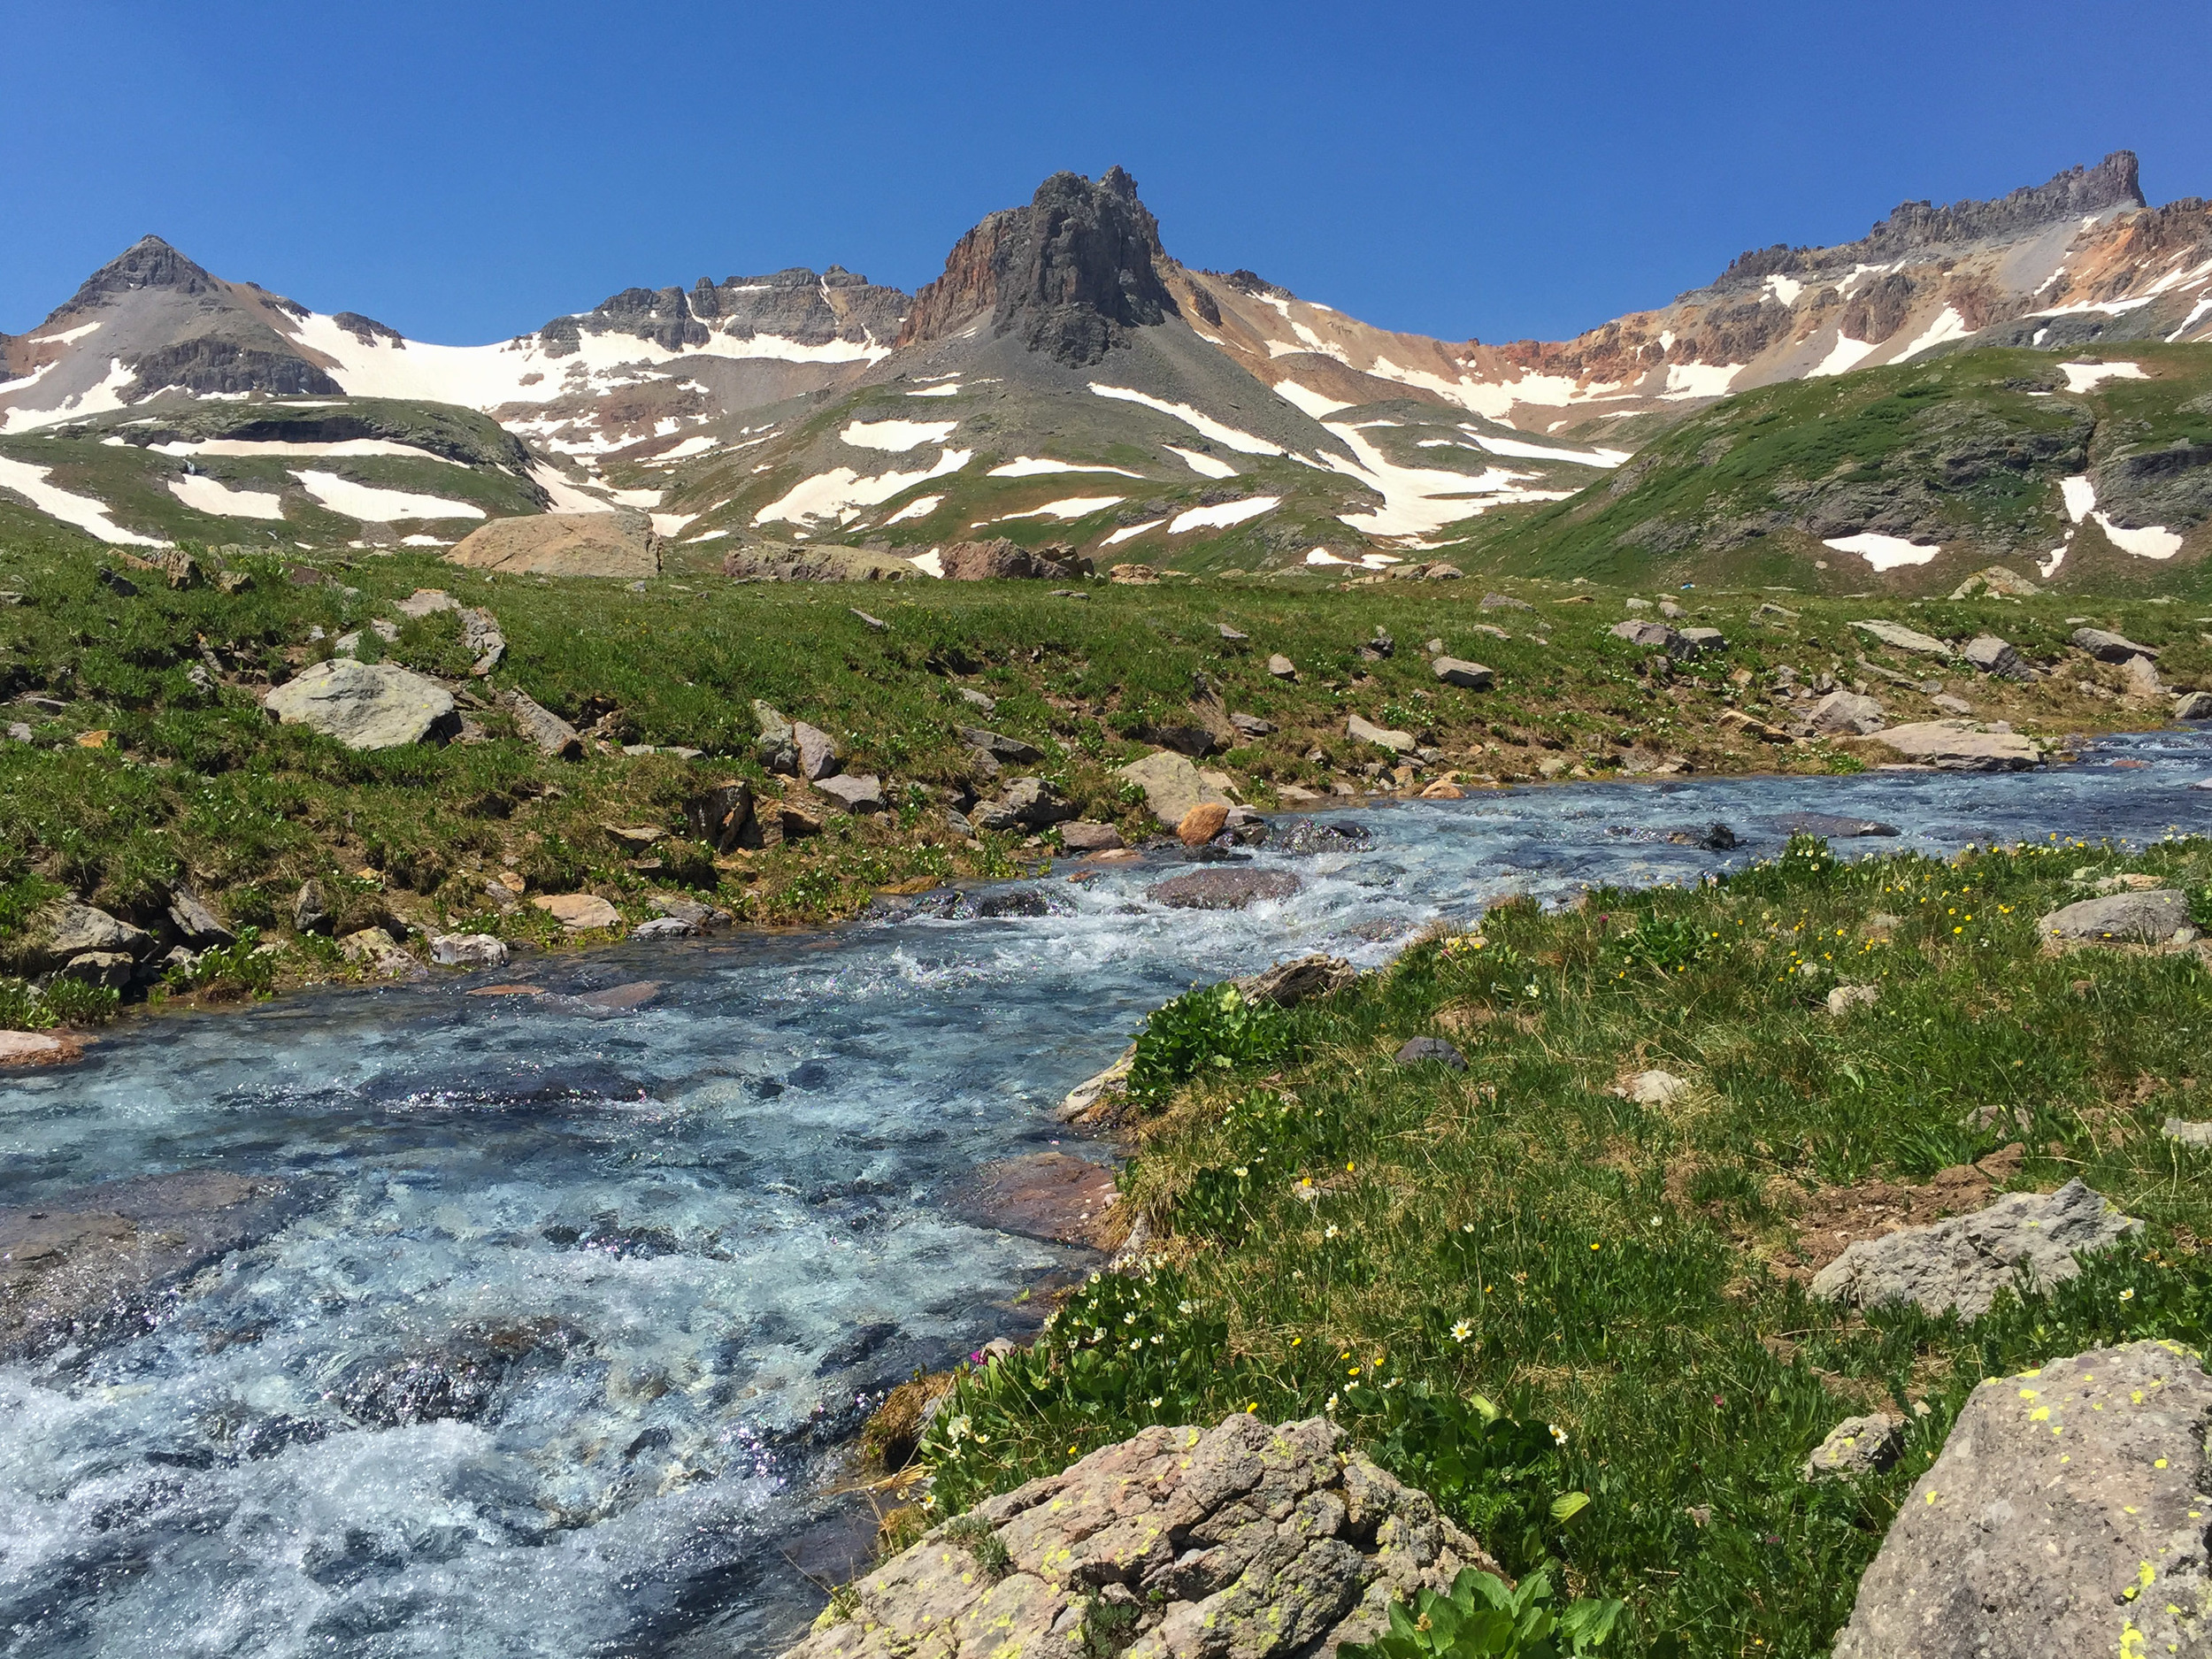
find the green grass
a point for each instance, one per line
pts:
(1404, 1246)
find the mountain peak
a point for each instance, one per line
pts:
(1069, 274)
(148, 263)
(1913, 226)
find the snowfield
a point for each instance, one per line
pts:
(372, 505)
(87, 514)
(203, 494)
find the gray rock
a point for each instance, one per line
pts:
(819, 755)
(1222, 889)
(2140, 675)
(2133, 919)
(113, 968)
(981, 700)
(1857, 1447)
(1455, 671)
(311, 911)
(2064, 1517)
(2110, 647)
(1950, 705)
(1171, 785)
(776, 748)
(2193, 705)
(1504, 602)
(998, 746)
(1287, 984)
(1028, 804)
(1844, 998)
(426, 602)
(701, 917)
(1963, 1262)
(722, 815)
(1847, 712)
(875, 624)
(80, 928)
(2189, 1134)
(481, 639)
(1251, 724)
(380, 952)
(1281, 667)
(1417, 1049)
(1769, 610)
(1230, 635)
(1899, 637)
(1366, 732)
(1245, 1540)
(859, 795)
(468, 950)
(1993, 656)
(1963, 746)
(366, 705)
(1656, 1089)
(541, 728)
(1696, 641)
(1083, 836)
(1651, 635)
(195, 924)
(663, 927)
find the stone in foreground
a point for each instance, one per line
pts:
(860, 794)
(468, 950)
(1368, 732)
(1963, 746)
(366, 705)
(1856, 1447)
(1842, 712)
(2064, 1517)
(1963, 1262)
(1243, 1540)
(1415, 1050)
(2118, 918)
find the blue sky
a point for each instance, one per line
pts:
(463, 171)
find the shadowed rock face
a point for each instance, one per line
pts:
(1067, 274)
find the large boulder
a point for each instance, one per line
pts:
(775, 563)
(1846, 711)
(1963, 746)
(2119, 918)
(1993, 656)
(617, 544)
(1964, 1260)
(1454, 670)
(1243, 1540)
(366, 705)
(1368, 732)
(2065, 1516)
(2108, 646)
(1001, 559)
(1171, 785)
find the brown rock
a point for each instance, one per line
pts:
(620, 545)
(1046, 1195)
(541, 728)
(1133, 575)
(1082, 836)
(578, 911)
(1001, 559)
(38, 1047)
(1201, 822)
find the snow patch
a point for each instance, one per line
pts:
(1417, 500)
(920, 507)
(929, 564)
(936, 391)
(1242, 442)
(63, 338)
(1520, 450)
(372, 505)
(1074, 507)
(1036, 466)
(1784, 289)
(671, 524)
(106, 395)
(1305, 397)
(564, 495)
(203, 494)
(1948, 325)
(1131, 530)
(1844, 356)
(2086, 377)
(87, 514)
(2080, 494)
(2104, 308)
(2152, 542)
(1321, 555)
(281, 447)
(1204, 466)
(1883, 552)
(1700, 379)
(896, 435)
(1221, 517)
(826, 495)
(685, 450)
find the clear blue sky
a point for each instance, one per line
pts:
(464, 172)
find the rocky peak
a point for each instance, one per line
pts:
(1068, 275)
(1917, 226)
(148, 263)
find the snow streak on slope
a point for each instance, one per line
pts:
(372, 505)
(87, 514)
(1037, 467)
(349, 446)
(841, 492)
(1204, 466)
(1242, 442)
(203, 494)
(895, 435)
(1419, 499)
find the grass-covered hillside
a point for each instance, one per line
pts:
(1967, 452)
(1624, 1287)
(137, 757)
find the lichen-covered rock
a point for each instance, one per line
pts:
(1855, 1446)
(366, 705)
(1964, 1260)
(1244, 1539)
(2065, 1516)
(2129, 918)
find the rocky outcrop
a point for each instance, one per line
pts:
(617, 544)
(2119, 918)
(1000, 559)
(1244, 1539)
(366, 705)
(1963, 1262)
(1963, 746)
(773, 562)
(1069, 275)
(2064, 1516)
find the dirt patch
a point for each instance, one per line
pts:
(1831, 1219)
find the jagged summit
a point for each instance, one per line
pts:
(1069, 274)
(148, 263)
(1915, 228)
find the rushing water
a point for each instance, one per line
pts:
(579, 1289)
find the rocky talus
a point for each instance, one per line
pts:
(1186, 1543)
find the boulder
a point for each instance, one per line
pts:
(1028, 804)
(1287, 984)
(2064, 1516)
(366, 705)
(1281, 667)
(38, 1047)
(1366, 732)
(701, 917)
(1083, 836)
(2187, 1133)
(113, 968)
(2110, 647)
(2140, 681)
(80, 930)
(196, 924)
(1857, 1447)
(617, 544)
(1899, 637)
(1996, 580)
(1222, 889)
(1455, 671)
(541, 728)
(1133, 575)
(1001, 559)
(312, 908)
(1696, 641)
(1844, 998)
(1841, 711)
(468, 950)
(1963, 1262)
(722, 815)
(1504, 602)
(777, 747)
(481, 639)
(662, 927)
(818, 753)
(1418, 1049)
(377, 952)
(998, 747)
(1251, 724)
(860, 795)
(1202, 823)
(1963, 746)
(775, 563)
(1992, 656)
(1646, 633)
(1281, 1537)
(2193, 705)
(578, 911)
(1171, 785)
(2120, 918)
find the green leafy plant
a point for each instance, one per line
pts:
(1483, 1619)
(1665, 944)
(22, 1007)
(240, 968)
(1207, 1028)
(1491, 1473)
(76, 1002)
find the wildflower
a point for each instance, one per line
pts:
(1462, 1330)
(1155, 1402)
(1129, 1319)
(1331, 1406)
(1331, 1232)
(1241, 1171)
(2128, 1295)
(1558, 1435)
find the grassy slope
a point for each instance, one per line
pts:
(194, 782)
(1629, 1274)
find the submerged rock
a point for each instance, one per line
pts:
(1243, 1540)
(2065, 1516)
(1222, 889)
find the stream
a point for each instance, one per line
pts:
(562, 1303)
